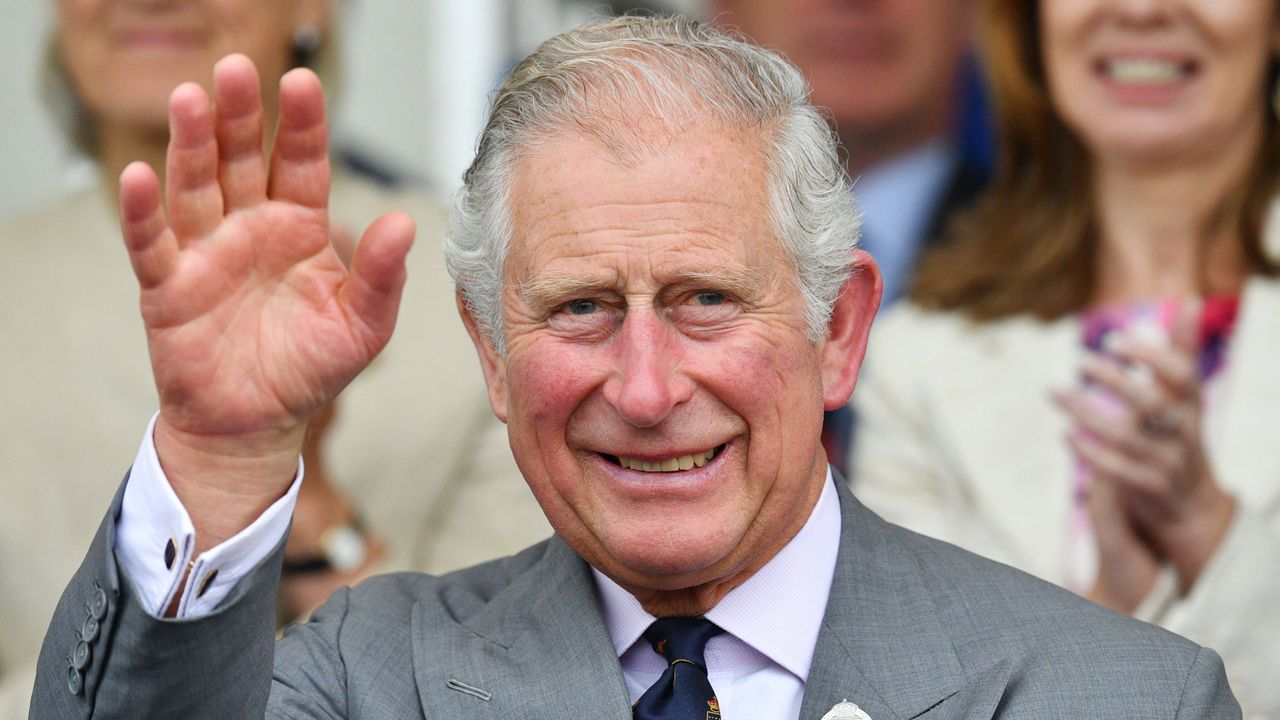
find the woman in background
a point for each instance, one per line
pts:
(1084, 383)
(410, 439)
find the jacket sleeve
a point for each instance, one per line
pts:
(105, 656)
(1232, 609)
(1206, 694)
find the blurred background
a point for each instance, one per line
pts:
(452, 52)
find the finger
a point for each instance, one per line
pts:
(300, 159)
(153, 249)
(1116, 430)
(1106, 509)
(1173, 365)
(1111, 466)
(1133, 386)
(192, 192)
(372, 290)
(242, 169)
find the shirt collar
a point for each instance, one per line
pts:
(777, 611)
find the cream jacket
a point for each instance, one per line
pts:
(958, 438)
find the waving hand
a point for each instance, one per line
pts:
(253, 321)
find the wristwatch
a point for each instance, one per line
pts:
(342, 549)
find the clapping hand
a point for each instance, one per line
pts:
(253, 321)
(1150, 458)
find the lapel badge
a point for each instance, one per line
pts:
(713, 709)
(845, 710)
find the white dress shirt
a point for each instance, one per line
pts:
(759, 666)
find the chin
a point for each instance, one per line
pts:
(673, 563)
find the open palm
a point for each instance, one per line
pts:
(252, 319)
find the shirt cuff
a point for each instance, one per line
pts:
(155, 539)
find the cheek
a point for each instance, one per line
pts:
(767, 383)
(546, 384)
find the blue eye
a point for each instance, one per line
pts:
(709, 297)
(582, 307)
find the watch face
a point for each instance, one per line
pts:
(343, 547)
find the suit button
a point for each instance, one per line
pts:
(80, 656)
(89, 631)
(75, 681)
(98, 605)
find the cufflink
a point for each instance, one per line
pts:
(845, 710)
(204, 584)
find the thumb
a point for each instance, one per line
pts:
(373, 289)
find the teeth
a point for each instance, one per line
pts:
(684, 462)
(1144, 71)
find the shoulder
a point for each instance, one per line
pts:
(388, 601)
(906, 321)
(1054, 641)
(918, 345)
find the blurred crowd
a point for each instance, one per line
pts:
(1072, 205)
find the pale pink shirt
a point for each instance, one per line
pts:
(759, 666)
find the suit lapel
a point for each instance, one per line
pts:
(883, 645)
(537, 649)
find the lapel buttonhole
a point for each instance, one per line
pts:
(472, 690)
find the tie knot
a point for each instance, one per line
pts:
(682, 638)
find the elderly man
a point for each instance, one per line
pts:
(655, 257)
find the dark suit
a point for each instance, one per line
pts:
(913, 628)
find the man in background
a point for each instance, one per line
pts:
(904, 99)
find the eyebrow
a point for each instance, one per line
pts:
(543, 292)
(547, 291)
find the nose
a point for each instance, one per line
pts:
(647, 383)
(1142, 11)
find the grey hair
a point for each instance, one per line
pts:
(597, 80)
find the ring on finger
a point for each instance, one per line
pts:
(1162, 424)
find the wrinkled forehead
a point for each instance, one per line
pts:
(702, 197)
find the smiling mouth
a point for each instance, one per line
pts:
(674, 464)
(1145, 70)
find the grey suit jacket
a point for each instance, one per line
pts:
(913, 628)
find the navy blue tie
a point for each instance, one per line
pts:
(683, 692)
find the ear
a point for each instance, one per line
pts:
(493, 365)
(840, 354)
